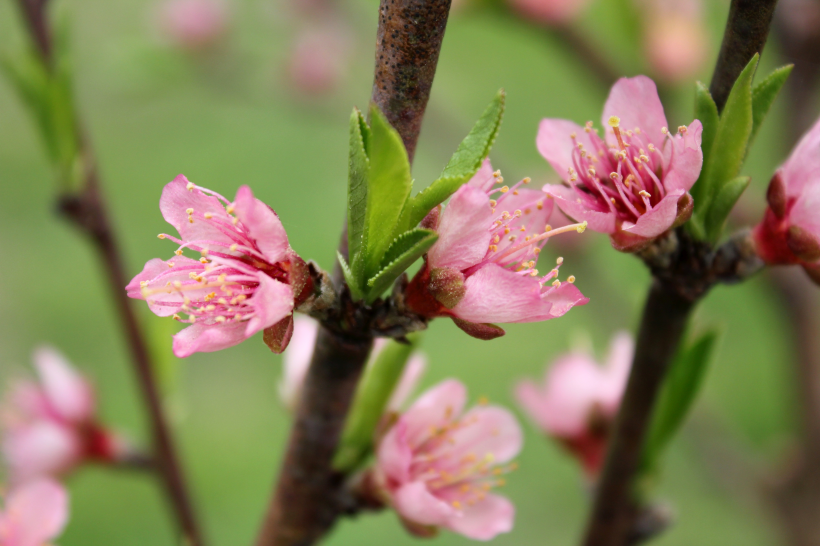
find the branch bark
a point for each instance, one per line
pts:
(309, 496)
(87, 210)
(745, 35)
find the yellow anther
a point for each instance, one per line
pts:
(644, 158)
(682, 129)
(193, 275)
(539, 205)
(534, 273)
(573, 136)
(523, 228)
(178, 284)
(614, 121)
(170, 264)
(189, 186)
(548, 228)
(571, 279)
(493, 202)
(208, 215)
(161, 236)
(505, 189)
(560, 260)
(612, 199)
(178, 252)
(556, 283)
(229, 209)
(456, 505)
(220, 318)
(143, 284)
(192, 318)
(536, 251)
(582, 228)
(499, 180)
(496, 174)
(494, 248)
(651, 147)
(512, 238)
(210, 307)
(237, 316)
(664, 130)
(189, 211)
(234, 220)
(203, 260)
(177, 317)
(506, 231)
(644, 193)
(527, 180)
(233, 247)
(497, 238)
(591, 171)
(515, 192)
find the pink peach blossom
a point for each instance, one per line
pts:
(676, 40)
(549, 12)
(578, 400)
(482, 268)
(50, 427)
(437, 464)
(790, 230)
(300, 351)
(34, 514)
(246, 280)
(194, 25)
(633, 186)
(320, 58)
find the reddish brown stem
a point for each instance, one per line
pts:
(309, 496)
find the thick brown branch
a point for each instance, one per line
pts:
(616, 510)
(745, 35)
(309, 495)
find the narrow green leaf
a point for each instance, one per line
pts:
(388, 187)
(677, 395)
(705, 111)
(375, 388)
(462, 166)
(722, 205)
(763, 96)
(407, 248)
(352, 282)
(729, 147)
(358, 165)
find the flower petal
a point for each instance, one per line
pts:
(272, 301)
(162, 299)
(563, 298)
(483, 179)
(42, 448)
(572, 388)
(177, 199)
(438, 406)
(263, 225)
(206, 338)
(413, 371)
(395, 455)
(69, 394)
(687, 160)
(297, 359)
(491, 431)
(415, 503)
(486, 519)
(556, 145)
(463, 230)
(565, 198)
(616, 371)
(659, 218)
(635, 101)
(36, 513)
(802, 168)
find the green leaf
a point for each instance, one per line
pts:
(358, 166)
(352, 283)
(729, 147)
(462, 166)
(377, 385)
(406, 249)
(705, 111)
(677, 395)
(763, 96)
(722, 205)
(388, 187)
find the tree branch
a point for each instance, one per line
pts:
(309, 496)
(87, 210)
(745, 35)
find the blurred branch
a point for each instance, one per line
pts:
(745, 35)
(578, 45)
(310, 494)
(86, 209)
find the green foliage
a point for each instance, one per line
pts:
(725, 143)
(377, 385)
(47, 92)
(382, 217)
(763, 96)
(462, 165)
(677, 395)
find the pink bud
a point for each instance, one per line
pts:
(549, 12)
(194, 25)
(319, 59)
(34, 514)
(676, 43)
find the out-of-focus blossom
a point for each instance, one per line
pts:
(676, 40)
(247, 279)
(437, 465)
(549, 12)
(300, 351)
(194, 25)
(790, 230)
(319, 58)
(34, 514)
(578, 400)
(50, 427)
(633, 185)
(482, 268)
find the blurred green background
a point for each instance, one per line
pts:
(228, 119)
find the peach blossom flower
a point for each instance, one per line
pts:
(34, 514)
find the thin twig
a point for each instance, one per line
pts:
(309, 496)
(745, 35)
(87, 210)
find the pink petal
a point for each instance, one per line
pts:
(489, 431)
(36, 513)
(635, 101)
(395, 456)
(563, 298)
(532, 399)
(687, 161)
(152, 268)
(27, 401)
(566, 199)
(486, 519)
(802, 168)
(438, 406)
(69, 394)
(272, 301)
(527, 202)
(415, 503)
(556, 145)
(483, 179)
(572, 388)
(207, 338)
(43, 448)
(177, 199)
(413, 371)
(163, 300)
(659, 218)
(297, 359)
(463, 230)
(804, 213)
(264, 226)
(616, 371)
